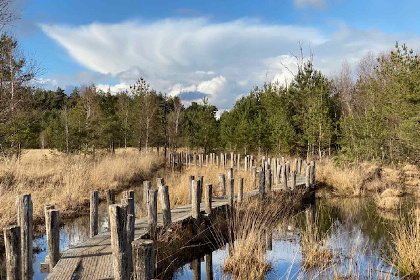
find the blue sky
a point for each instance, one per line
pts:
(219, 49)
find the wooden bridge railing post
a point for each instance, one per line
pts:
(293, 179)
(232, 160)
(190, 180)
(239, 162)
(147, 186)
(313, 173)
(143, 259)
(200, 189)
(195, 206)
(261, 183)
(110, 199)
(208, 196)
(230, 173)
(308, 176)
(222, 184)
(25, 212)
(165, 205)
(52, 225)
(268, 180)
(94, 219)
(119, 242)
(152, 213)
(231, 192)
(284, 177)
(160, 182)
(12, 244)
(241, 190)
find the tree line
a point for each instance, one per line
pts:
(371, 114)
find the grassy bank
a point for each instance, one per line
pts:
(366, 178)
(66, 181)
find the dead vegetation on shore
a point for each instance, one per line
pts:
(66, 181)
(366, 178)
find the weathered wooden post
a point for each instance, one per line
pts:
(261, 184)
(241, 190)
(166, 206)
(275, 174)
(190, 180)
(230, 173)
(313, 173)
(12, 244)
(284, 177)
(222, 184)
(200, 189)
(268, 180)
(232, 160)
(208, 195)
(195, 207)
(239, 162)
(152, 213)
(119, 242)
(143, 259)
(24, 218)
(52, 226)
(308, 176)
(147, 186)
(160, 182)
(231, 192)
(110, 197)
(209, 267)
(128, 203)
(254, 177)
(293, 179)
(299, 167)
(94, 219)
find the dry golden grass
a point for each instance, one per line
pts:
(364, 178)
(66, 181)
(250, 223)
(389, 199)
(407, 248)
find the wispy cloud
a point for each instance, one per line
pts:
(221, 60)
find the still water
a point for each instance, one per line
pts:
(358, 234)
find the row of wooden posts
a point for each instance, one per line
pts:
(136, 257)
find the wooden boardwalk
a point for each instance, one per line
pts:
(92, 259)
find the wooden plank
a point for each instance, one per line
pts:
(92, 259)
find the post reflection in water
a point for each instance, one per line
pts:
(196, 269)
(209, 267)
(269, 239)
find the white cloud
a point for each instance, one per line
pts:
(243, 53)
(113, 89)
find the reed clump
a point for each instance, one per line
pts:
(250, 224)
(406, 241)
(52, 177)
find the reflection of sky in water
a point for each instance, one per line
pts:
(71, 234)
(357, 237)
(357, 255)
